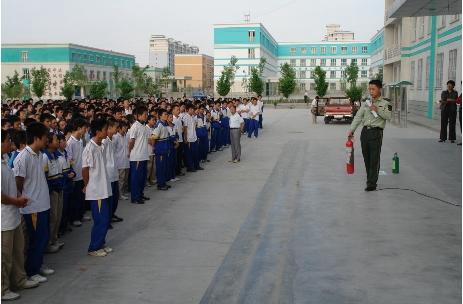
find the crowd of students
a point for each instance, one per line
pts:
(61, 160)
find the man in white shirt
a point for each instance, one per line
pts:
(260, 103)
(121, 150)
(236, 126)
(216, 127)
(31, 182)
(191, 140)
(138, 156)
(243, 110)
(313, 109)
(178, 127)
(254, 111)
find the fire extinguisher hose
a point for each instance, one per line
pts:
(422, 194)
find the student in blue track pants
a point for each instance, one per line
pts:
(216, 128)
(161, 149)
(253, 118)
(191, 139)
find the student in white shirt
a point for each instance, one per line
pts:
(260, 103)
(191, 140)
(31, 182)
(96, 187)
(13, 274)
(314, 106)
(161, 146)
(178, 126)
(216, 128)
(138, 156)
(151, 122)
(253, 118)
(75, 147)
(243, 110)
(236, 127)
(121, 150)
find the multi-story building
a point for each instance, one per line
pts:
(60, 58)
(249, 42)
(200, 68)
(334, 33)
(377, 53)
(422, 46)
(162, 51)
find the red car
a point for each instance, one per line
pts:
(340, 108)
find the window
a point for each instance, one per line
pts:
(453, 65)
(303, 63)
(364, 74)
(412, 73)
(364, 85)
(364, 61)
(421, 27)
(104, 75)
(293, 51)
(313, 62)
(304, 51)
(312, 86)
(92, 75)
(439, 69)
(302, 86)
(98, 75)
(302, 74)
(365, 49)
(312, 74)
(419, 74)
(313, 51)
(415, 29)
(24, 56)
(333, 62)
(98, 59)
(343, 49)
(441, 21)
(332, 86)
(251, 53)
(343, 61)
(292, 62)
(251, 36)
(343, 85)
(26, 73)
(323, 50)
(332, 74)
(354, 50)
(354, 61)
(323, 62)
(343, 74)
(454, 18)
(428, 25)
(426, 83)
(333, 50)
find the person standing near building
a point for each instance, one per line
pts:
(314, 108)
(448, 106)
(260, 103)
(236, 126)
(459, 113)
(254, 111)
(373, 118)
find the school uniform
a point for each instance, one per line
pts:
(121, 151)
(54, 174)
(12, 157)
(172, 155)
(113, 174)
(138, 161)
(225, 122)
(68, 187)
(161, 149)
(191, 147)
(235, 135)
(75, 147)
(36, 214)
(151, 167)
(260, 103)
(203, 139)
(242, 109)
(215, 130)
(178, 126)
(97, 193)
(253, 121)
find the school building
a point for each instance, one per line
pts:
(200, 68)
(60, 58)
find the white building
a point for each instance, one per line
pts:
(162, 51)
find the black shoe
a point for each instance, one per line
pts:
(459, 144)
(116, 219)
(212, 151)
(181, 174)
(110, 226)
(138, 202)
(208, 161)
(200, 168)
(190, 170)
(169, 186)
(452, 141)
(145, 198)
(441, 140)
(164, 188)
(370, 188)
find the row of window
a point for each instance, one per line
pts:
(332, 86)
(323, 62)
(332, 74)
(425, 21)
(439, 80)
(323, 49)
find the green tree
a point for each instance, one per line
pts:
(139, 78)
(98, 89)
(125, 88)
(379, 75)
(352, 91)
(116, 78)
(321, 86)
(13, 87)
(287, 81)
(40, 81)
(227, 77)
(165, 78)
(151, 88)
(256, 83)
(68, 90)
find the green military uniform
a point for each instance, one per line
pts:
(372, 136)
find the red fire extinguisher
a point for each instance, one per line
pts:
(350, 155)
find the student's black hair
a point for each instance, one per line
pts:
(161, 111)
(19, 137)
(5, 121)
(77, 123)
(4, 135)
(451, 82)
(28, 121)
(117, 110)
(189, 106)
(46, 116)
(14, 119)
(35, 130)
(97, 125)
(61, 137)
(112, 122)
(67, 129)
(50, 137)
(140, 110)
(376, 82)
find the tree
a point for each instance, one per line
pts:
(287, 81)
(139, 78)
(321, 86)
(40, 81)
(151, 88)
(78, 76)
(379, 75)
(125, 88)
(68, 90)
(227, 77)
(256, 84)
(98, 89)
(352, 91)
(13, 87)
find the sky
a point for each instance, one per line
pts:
(126, 25)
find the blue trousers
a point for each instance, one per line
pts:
(203, 147)
(66, 216)
(38, 230)
(192, 159)
(161, 169)
(225, 135)
(253, 128)
(77, 201)
(138, 174)
(114, 199)
(215, 138)
(171, 164)
(246, 125)
(100, 215)
(260, 121)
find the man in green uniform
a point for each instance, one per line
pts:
(372, 115)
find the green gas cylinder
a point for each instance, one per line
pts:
(395, 164)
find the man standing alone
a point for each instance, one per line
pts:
(448, 108)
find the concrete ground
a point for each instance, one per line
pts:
(286, 225)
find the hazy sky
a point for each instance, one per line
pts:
(126, 25)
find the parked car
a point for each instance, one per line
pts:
(320, 108)
(340, 108)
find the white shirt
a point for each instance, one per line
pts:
(93, 158)
(75, 148)
(128, 111)
(236, 120)
(314, 103)
(200, 122)
(260, 103)
(121, 150)
(139, 132)
(150, 146)
(178, 126)
(215, 115)
(11, 217)
(254, 110)
(241, 108)
(160, 131)
(189, 122)
(109, 153)
(52, 166)
(28, 164)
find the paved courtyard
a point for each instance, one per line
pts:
(286, 225)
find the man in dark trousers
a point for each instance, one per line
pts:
(373, 115)
(448, 106)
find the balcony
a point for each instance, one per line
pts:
(392, 54)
